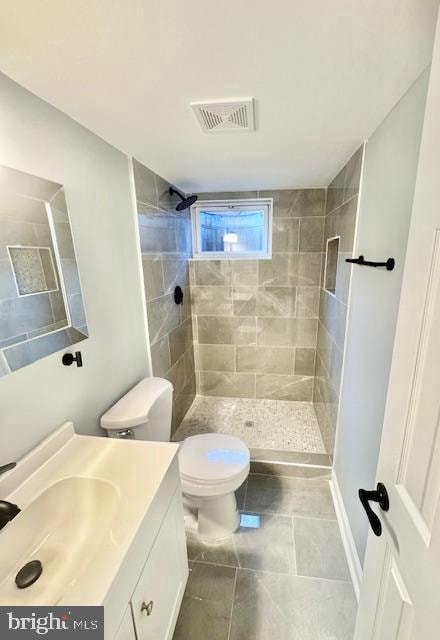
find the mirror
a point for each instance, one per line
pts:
(41, 305)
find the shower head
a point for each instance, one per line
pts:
(186, 202)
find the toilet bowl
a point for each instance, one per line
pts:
(212, 465)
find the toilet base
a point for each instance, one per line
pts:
(211, 518)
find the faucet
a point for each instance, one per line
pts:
(8, 510)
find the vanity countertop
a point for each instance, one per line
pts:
(83, 500)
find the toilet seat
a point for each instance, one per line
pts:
(212, 464)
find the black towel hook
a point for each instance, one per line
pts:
(389, 264)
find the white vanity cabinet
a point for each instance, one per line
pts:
(126, 630)
(157, 597)
(145, 598)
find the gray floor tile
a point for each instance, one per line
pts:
(309, 497)
(207, 603)
(270, 547)
(268, 606)
(319, 549)
(223, 553)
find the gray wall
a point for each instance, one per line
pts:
(255, 321)
(165, 239)
(384, 215)
(38, 139)
(340, 221)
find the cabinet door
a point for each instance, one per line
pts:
(158, 595)
(126, 630)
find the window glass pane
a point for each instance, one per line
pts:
(232, 231)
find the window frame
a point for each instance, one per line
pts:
(258, 203)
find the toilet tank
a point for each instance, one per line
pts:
(144, 413)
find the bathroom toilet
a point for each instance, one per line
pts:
(212, 465)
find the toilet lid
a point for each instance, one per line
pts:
(212, 457)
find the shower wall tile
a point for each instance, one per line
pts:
(215, 357)
(183, 401)
(235, 385)
(296, 203)
(244, 272)
(270, 330)
(279, 387)
(175, 272)
(228, 195)
(311, 235)
(212, 301)
(305, 361)
(180, 339)
(145, 183)
(163, 316)
(307, 302)
(153, 276)
(160, 356)
(340, 220)
(212, 272)
(285, 234)
(21, 315)
(217, 330)
(287, 332)
(305, 269)
(258, 359)
(275, 272)
(176, 375)
(7, 283)
(165, 242)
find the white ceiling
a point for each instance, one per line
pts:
(324, 74)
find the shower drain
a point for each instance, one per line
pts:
(249, 423)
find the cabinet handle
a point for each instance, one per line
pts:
(147, 607)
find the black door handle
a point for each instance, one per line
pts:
(380, 496)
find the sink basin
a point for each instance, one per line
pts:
(83, 502)
(63, 528)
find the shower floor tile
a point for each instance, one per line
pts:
(261, 424)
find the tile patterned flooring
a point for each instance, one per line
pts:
(287, 579)
(261, 424)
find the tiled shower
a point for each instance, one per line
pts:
(256, 348)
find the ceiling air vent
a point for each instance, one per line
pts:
(225, 115)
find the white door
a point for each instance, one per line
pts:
(400, 595)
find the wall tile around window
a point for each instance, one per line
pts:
(274, 272)
(311, 235)
(305, 269)
(212, 272)
(244, 272)
(212, 301)
(285, 235)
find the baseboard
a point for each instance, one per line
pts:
(354, 564)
